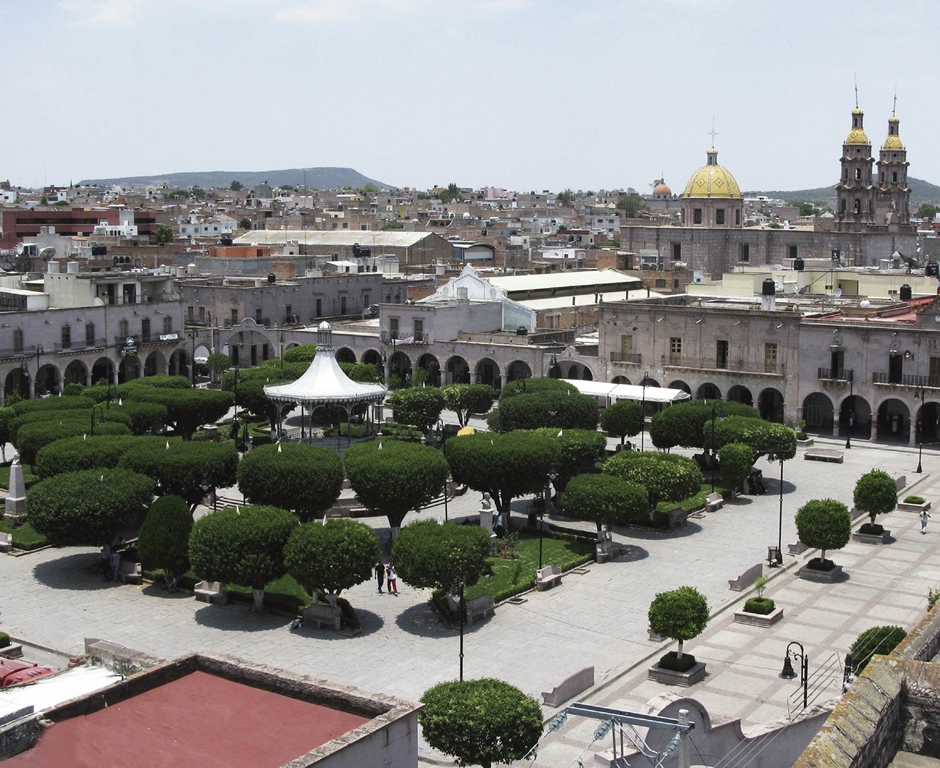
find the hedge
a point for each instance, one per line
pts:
(184, 468)
(666, 476)
(31, 437)
(88, 452)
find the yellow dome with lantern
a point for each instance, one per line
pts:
(893, 141)
(857, 135)
(712, 181)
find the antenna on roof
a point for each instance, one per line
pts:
(855, 78)
(713, 133)
(894, 107)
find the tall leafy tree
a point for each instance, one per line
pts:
(876, 493)
(163, 541)
(430, 555)
(824, 524)
(681, 614)
(465, 400)
(623, 419)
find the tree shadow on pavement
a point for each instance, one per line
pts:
(236, 617)
(424, 621)
(78, 571)
(369, 623)
(648, 534)
(628, 553)
(160, 590)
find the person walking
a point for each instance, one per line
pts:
(115, 564)
(392, 579)
(924, 515)
(380, 575)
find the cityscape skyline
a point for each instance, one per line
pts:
(506, 93)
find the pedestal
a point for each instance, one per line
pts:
(486, 519)
(15, 505)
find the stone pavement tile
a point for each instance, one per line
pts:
(709, 652)
(839, 604)
(819, 617)
(807, 633)
(731, 639)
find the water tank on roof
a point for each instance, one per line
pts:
(907, 293)
(932, 269)
(768, 287)
(798, 264)
(272, 278)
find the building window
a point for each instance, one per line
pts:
(675, 351)
(145, 329)
(675, 283)
(720, 216)
(737, 218)
(660, 282)
(794, 251)
(419, 330)
(66, 336)
(89, 334)
(202, 314)
(745, 252)
(677, 251)
(289, 312)
(770, 358)
(721, 354)
(319, 308)
(168, 324)
(234, 317)
(258, 315)
(123, 329)
(393, 327)
(191, 313)
(697, 216)
(894, 177)
(882, 177)
(934, 372)
(342, 305)
(365, 299)
(17, 339)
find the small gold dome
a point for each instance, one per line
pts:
(662, 189)
(712, 181)
(857, 136)
(893, 143)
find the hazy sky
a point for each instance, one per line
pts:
(524, 94)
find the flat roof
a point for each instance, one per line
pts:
(197, 719)
(584, 299)
(566, 279)
(365, 238)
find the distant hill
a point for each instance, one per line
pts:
(921, 192)
(317, 178)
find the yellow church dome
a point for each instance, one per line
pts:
(857, 136)
(893, 141)
(712, 181)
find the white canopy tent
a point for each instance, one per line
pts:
(617, 392)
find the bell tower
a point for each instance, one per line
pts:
(855, 192)
(893, 196)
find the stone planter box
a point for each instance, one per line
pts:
(683, 679)
(12, 651)
(804, 443)
(903, 505)
(758, 619)
(823, 577)
(871, 538)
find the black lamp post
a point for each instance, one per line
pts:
(192, 359)
(788, 674)
(643, 424)
(921, 393)
(552, 474)
(778, 555)
(235, 417)
(39, 351)
(458, 588)
(24, 373)
(848, 440)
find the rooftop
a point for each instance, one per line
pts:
(369, 239)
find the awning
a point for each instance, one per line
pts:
(615, 392)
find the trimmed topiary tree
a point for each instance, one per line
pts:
(392, 477)
(86, 508)
(465, 400)
(218, 363)
(666, 476)
(419, 406)
(429, 555)
(305, 479)
(163, 541)
(683, 423)
(736, 460)
(242, 545)
(606, 500)
(331, 557)
(681, 614)
(548, 409)
(623, 419)
(72, 454)
(876, 493)
(824, 524)
(31, 437)
(580, 452)
(187, 409)
(877, 640)
(480, 722)
(145, 418)
(302, 353)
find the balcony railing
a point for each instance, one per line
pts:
(78, 345)
(906, 380)
(710, 364)
(627, 358)
(836, 374)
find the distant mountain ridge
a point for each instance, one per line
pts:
(317, 178)
(921, 192)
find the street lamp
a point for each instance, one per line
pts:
(192, 360)
(921, 393)
(235, 417)
(777, 557)
(719, 412)
(788, 674)
(848, 440)
(24, 375)
(552, 474)
(458, 589)
(643, 425)
(39, 351)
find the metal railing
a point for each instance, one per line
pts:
(836, 374)
(77, 345)
(628, 358)
(907, 380)
(711, 364)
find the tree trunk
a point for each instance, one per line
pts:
(679, 654)
(872, 516)
(258, 597)
(171, 581)
(822, 555)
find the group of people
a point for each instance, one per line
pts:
(386, 573)
(111, 559)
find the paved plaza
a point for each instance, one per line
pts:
(56, 598)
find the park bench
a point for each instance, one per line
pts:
(324, 615)
(547, 577)
(130, 573)
(211, 592)
(746, 579)
(6, 542)
(479, 608)
(714, 501)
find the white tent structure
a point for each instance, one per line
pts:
(324, 382)
(617, 392)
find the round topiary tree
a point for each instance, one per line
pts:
(623, 419)
(824, 524)
(301, 353)
(681, 614)
(163, 541)
(736, 460)
(666, 476)
(331, 557)
(187, 409)
(877, 640)
(580, 451)
(480, 722)
(72, 454)
(429, 555)
(306, 479)
(419, 406)
(218, 363)
(606, 500)
(876, 493)
(86, 508)
(467, 399)
(547, 409)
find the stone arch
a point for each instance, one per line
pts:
(129, 369)
(17, 382)
(679, 384)
(855, 417)
(372, 356)
(518, 370)
(432, 365)
(486, 371)
(576, 370)
(457, 371)
(646, 381)
(179, 363)
(708, 391)
(620, 380)
(400, 365)
(894, 421)
(47, 380)
(102, 371)
(76, 372)
(928, 422)
(155, 363)
(345, 355)
(740, 394)
(770, 405)
(817, 413)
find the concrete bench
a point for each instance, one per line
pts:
(211, 592)
(479, 608)
(823, 454)
(6, 542)
(746, 579)
(324, 616)
(797, 549)
(547, 577)
(570, 687)
(130, 573)
(714, 501)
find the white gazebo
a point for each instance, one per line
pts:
(324, 383)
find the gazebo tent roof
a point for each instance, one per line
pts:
(324, 382)
(628, 391)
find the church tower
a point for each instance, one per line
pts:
(893, 196)
(855, 193)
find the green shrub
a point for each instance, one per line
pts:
(331, 557)
(736, 460)
(672, 662)
(623, 419)
(302, 353)
(188, 409)
(160, 381)
(53, 404)
(4, 639)
(876, 493)
(877, 640)
(163, 541)
(548, 409)
(418, 406)
(914, 499)
(188, 469)
(761, 605)
(824, 524)
(73, 390)
(606, 500)
(144, 418)
(71, 454)
(24, 536)
(535, 386)
(31, 437)
(871, 529)
(666, 476)
(680, 614)
(683, 424)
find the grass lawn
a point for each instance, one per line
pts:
(28, 477)
(24, 537)
(694, 502)
(508, 574)
(283, 593)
